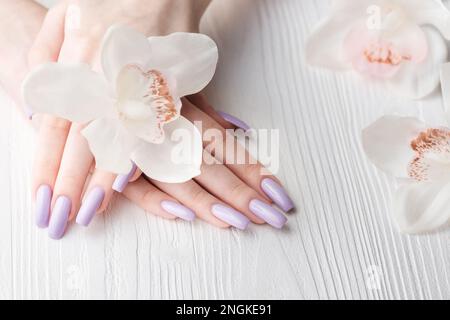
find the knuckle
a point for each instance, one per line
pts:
(149, 198)
(56, 125)
(198, 196)
(240, 191)
(252, 170)
(69, 179)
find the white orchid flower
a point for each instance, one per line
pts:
(133, 108)
(419, 156)
(399, 42)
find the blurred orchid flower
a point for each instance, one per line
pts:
(418, 155)
(133, 108)
(400, 42)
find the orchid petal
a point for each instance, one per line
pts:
(429, 12)
(387, 143)
(445, 85)
(422, 207)
(111, 145)
(123, 46)
(70, 91)
(416, 81)
(190, 58)
(324, 47)
(174, 160)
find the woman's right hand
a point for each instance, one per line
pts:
(228, 192)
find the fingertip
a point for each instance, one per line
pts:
(136, 175)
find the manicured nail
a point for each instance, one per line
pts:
(230, 216)
(59, 218)
(277, 193)
(234, 121)
(267, 213)
(122, 180)
(43, 201)
(178, 210)
(90, 206)
(28, 112)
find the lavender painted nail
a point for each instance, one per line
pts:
(59, 218)
(122, 180)
(230, 216)
(234, 121)
(178, 210)
(43, 201)
(267, 213)
(277, 193)
(90, 206)
(28, 112)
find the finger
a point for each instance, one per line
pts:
(77, 158)
(122, 180)
(50, 147)
(136, 175)
(224, 119)
(251, 171)
(200, 101)
(224, 184)
(53, 131)
(151, 199)
(49, 40)
(96, 197)
(73, 172)
(206, 206)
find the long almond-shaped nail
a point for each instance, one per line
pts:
(277, 193)
(234, 121)
(122, 180)
(28, 112)
(59, 218)
(230, 216)
(90, 205)
(269, 214)
(43, 202)
(178, 210)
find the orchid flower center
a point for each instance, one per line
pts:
(144, 95)
(382, 52)
(380, 49)
(432, 155)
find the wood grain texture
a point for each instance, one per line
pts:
(339, 236)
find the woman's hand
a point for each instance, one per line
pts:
(224, 195)
(20, 21)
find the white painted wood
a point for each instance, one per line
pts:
(339, 234)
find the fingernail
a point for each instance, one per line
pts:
(178, 210)
(277, 193)
(230, 216)
(43, 201)
(234, 121)
(90, 206)
(28, 112)
(268, 213)
(59, 218)
(122, 180)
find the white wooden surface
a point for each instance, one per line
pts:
(337, 244)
